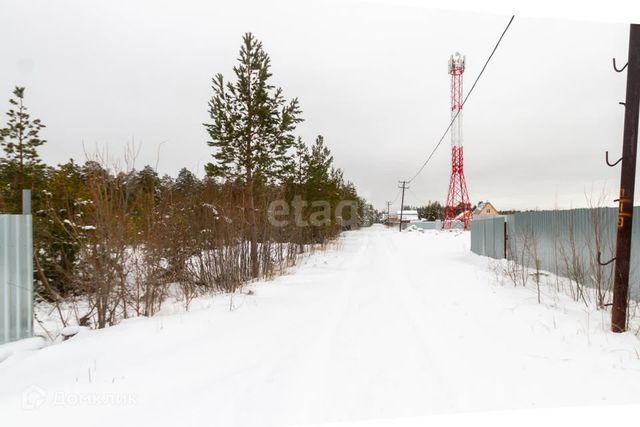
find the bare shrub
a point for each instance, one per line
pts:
(530, 245)
(571, 252)
(517, 267)
(600, 276)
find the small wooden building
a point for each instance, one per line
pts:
(485, 209)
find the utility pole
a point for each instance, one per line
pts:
(388, 210)
(403, 186)
(627, 183)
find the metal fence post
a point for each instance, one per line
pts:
(26, 202)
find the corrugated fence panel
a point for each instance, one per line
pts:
(487, 236)
(16, 277)
(564, 242)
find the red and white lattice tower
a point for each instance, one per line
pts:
(457, 206)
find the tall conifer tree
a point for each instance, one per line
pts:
(21, 166)
(251, 130)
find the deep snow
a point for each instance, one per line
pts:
(382, 325)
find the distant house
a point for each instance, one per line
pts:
(485, 209)
(407, 217)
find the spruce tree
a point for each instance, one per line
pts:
(66, 207)
(251, 130)
(21, 167)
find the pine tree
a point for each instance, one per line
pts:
(21, 168)
(186, 182)
(432, 211)
(319, 164)
(320, 184)
(251, 130)
(147, 182)
(300, 167)
(323, 183)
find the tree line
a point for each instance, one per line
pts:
(432, 211)
(117, 242)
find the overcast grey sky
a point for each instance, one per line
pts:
(370, 77)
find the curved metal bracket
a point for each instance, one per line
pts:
(604, 263)
(622, 103)
(606, 159)
(616, 68)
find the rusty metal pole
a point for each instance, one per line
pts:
(627, 182)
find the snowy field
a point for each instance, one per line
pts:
(382, 325)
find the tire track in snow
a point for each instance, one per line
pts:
(399, 288)
(299, 367)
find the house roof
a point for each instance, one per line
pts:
(407, 212)
(481, 206)
(462, 215)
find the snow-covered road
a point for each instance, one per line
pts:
(382, 325)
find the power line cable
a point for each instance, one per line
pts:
(464, 101)
(418, 198)
(397, 195)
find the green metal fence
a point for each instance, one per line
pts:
(564, 242)
(487, 236)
